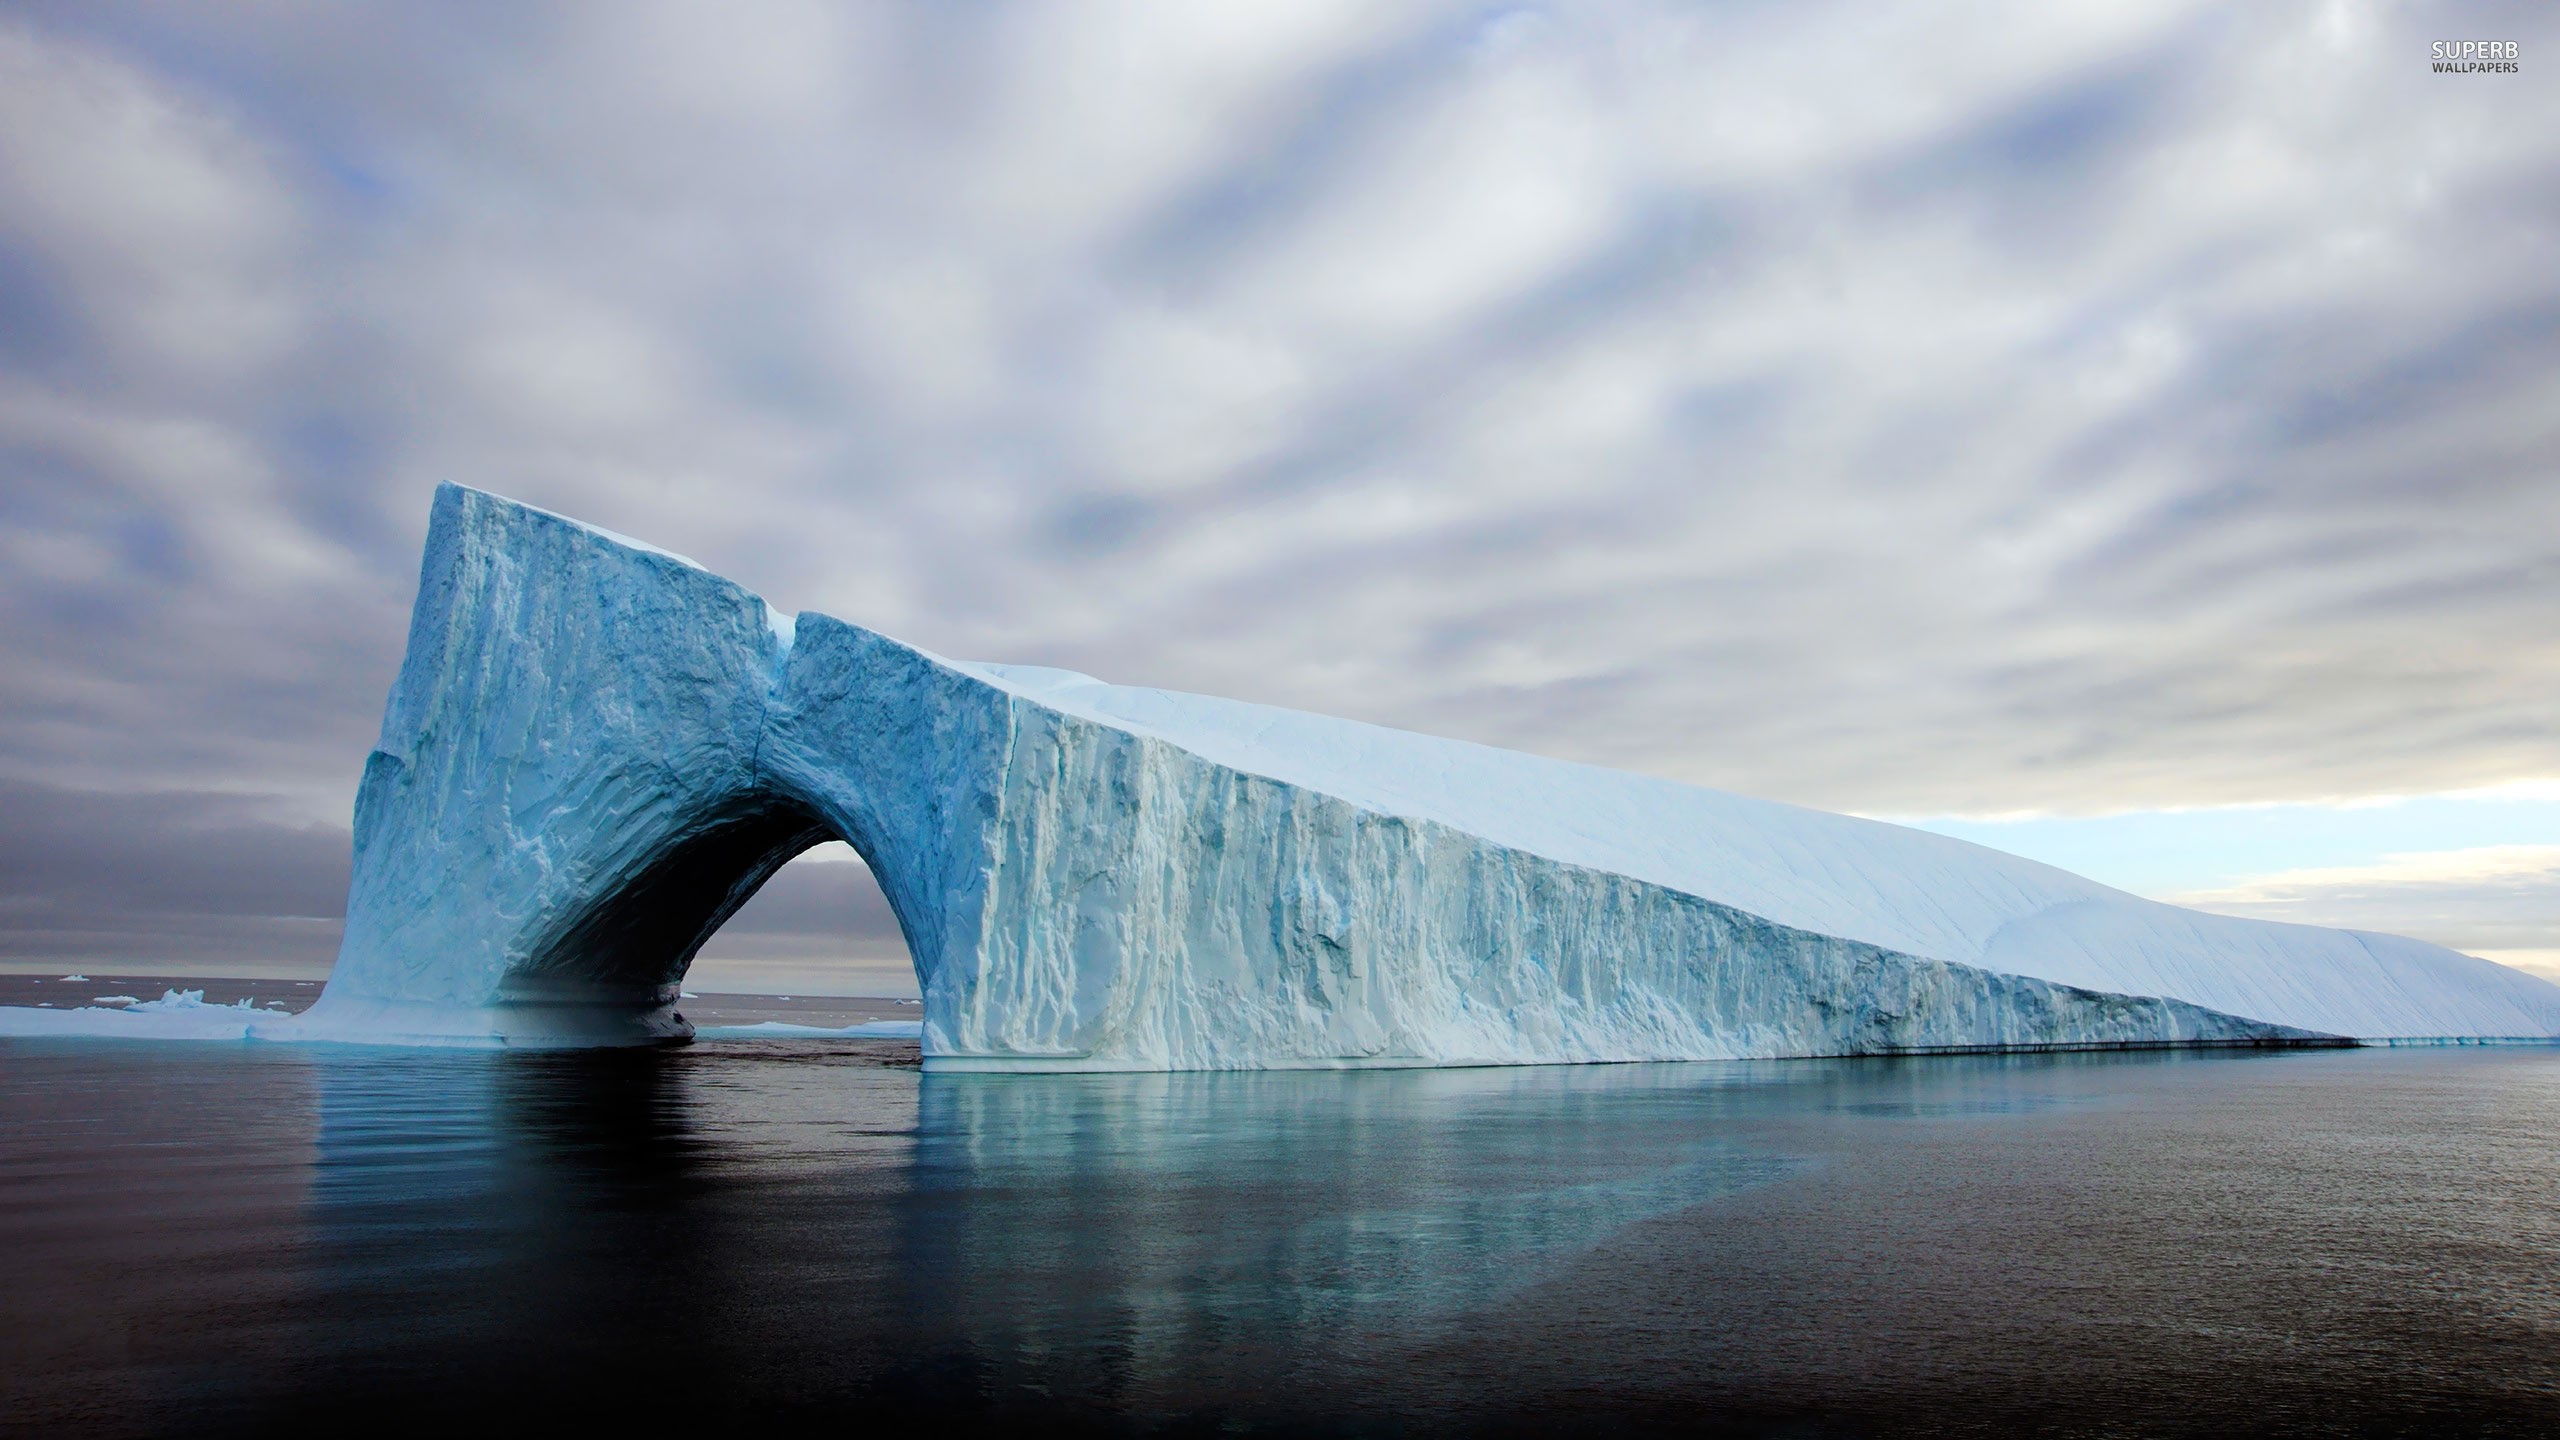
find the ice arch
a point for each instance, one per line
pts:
(595, 751)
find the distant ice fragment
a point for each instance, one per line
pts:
(174, 1000)
(780, 1030)
(176, 1015)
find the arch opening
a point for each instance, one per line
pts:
(823, 925)
(632, 946)
(657, 903)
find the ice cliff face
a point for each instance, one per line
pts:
(596, 751)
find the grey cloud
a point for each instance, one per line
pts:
(166, 852)
(163, 879)
(2042, 409)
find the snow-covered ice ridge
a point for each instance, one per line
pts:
(595, 752)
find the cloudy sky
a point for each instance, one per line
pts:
(2129, 435)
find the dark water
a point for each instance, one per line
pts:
(216, 1238)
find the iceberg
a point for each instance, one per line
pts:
(595, 751)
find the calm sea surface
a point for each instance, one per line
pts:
(244, 1239)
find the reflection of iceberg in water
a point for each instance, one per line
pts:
(1004, 1219)
(1329, 1209)
(475, 1211)
(272, 1240)
(411, 1216)
(472, 1211)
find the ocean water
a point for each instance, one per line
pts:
(243, 1239)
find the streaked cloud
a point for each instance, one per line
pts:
(2497, 901)
(1989, 408)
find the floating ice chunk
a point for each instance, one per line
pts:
(174, 1000)
(115, 1000)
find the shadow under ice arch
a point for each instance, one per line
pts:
(596, 751)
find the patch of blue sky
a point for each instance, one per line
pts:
(2172, 852)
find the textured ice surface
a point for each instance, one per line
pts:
(595, 752)
(1902, 889)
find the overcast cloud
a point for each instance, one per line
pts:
(1956, 410)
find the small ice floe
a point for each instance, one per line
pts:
(689, 995)
(115, 999)
(176, 1015)
(82, 978)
